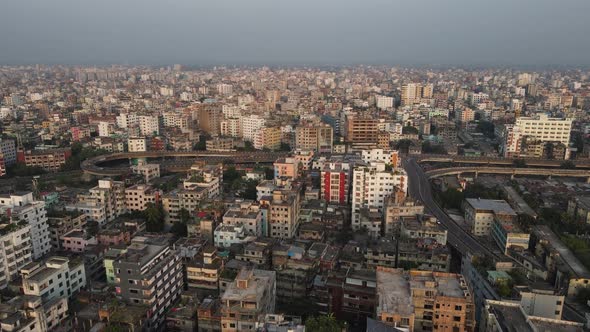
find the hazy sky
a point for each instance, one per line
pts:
(203, 32)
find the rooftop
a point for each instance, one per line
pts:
(494, 205)
(393, 292)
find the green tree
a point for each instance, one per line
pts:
(231, 174)
(428, 147)
(451, 198)
(154, 215)
(403, 145)
(250, 191)
(504, 289)
(487, 128)
(285, 147)
(409, 130)
(583, 295)
(323, 324)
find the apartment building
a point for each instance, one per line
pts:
(247, 214)
(247, 300)
(508, 234)
(384, 102)
(28, 313)
(335, 182)
(148, 171)
(390, 157)
(109, 194)
(510, 316)
(8, 151)
(56, 277)
(251, 125)
(397, 207)
(231, 126)
(50, 160)
(412, 93)
(225, 236)
(287, 167)
(149, 125)
(176, 200)
(283, 214)
(316, 138)
(540, 128)
(362, 130)
(424, 300)
(15, 250)
(137, 144)
(203, 272)
(372, 184)
(209, 117)
(23, 209)
(138, 196)
(423, 227)
(268, 138)
(149, 273)
(480, 214)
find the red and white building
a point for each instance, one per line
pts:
(335, 182)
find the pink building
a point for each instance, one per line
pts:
(76, 240)
(112, 237)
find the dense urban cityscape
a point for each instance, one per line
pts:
(353, 198)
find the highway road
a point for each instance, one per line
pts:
(419, 188)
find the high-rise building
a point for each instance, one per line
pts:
(530, 136)
(149, 273)
(15, 250)
(424, 300)
(247, 300)
(362, 130)
(317, 138)
(465, 115)
(149, 125)
(109, 195)
(371, 184)
(251, 124)
(283, 214)
(384, 102)
(268, 138)
(210, 119)
(335, 182)
(104, 129)
(8, 151)
(24, 209)
(224, 89)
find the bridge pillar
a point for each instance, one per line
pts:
(512, 176)
(588, 180)
(476, 174)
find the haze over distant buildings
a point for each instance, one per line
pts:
(206, 32)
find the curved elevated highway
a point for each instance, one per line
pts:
(512, 171)
(535, 162)
(92, 165)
